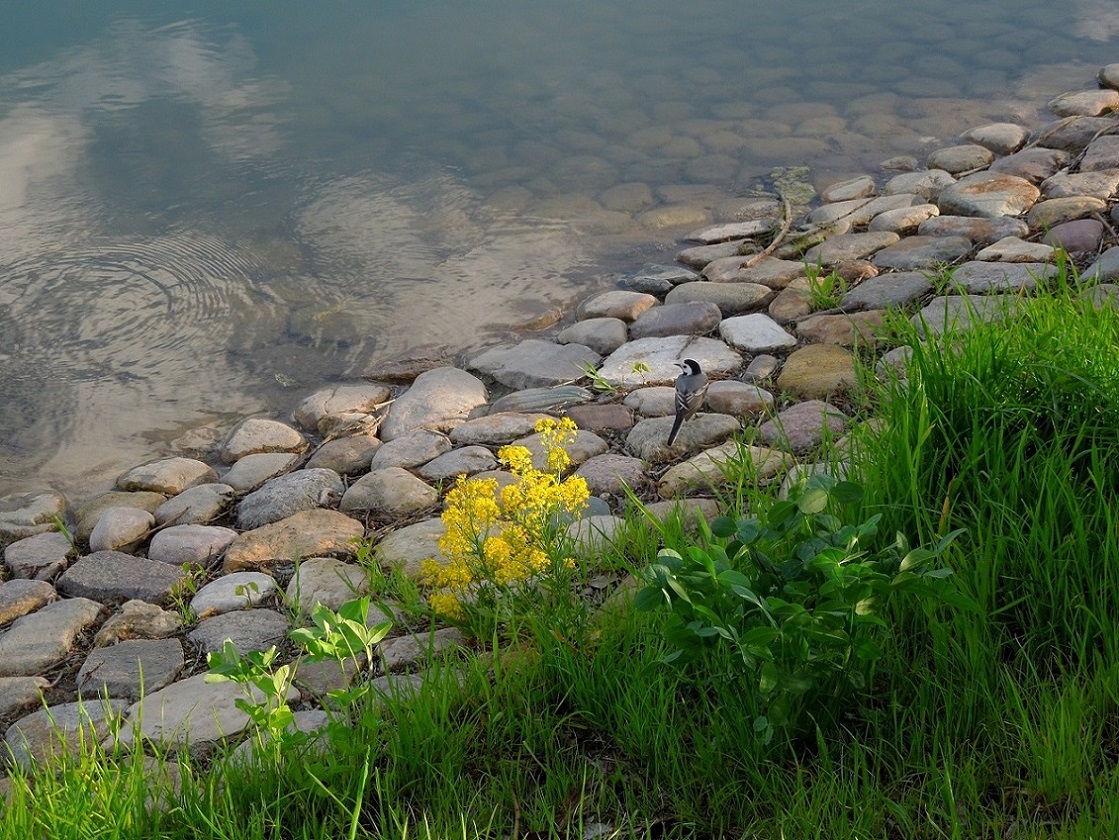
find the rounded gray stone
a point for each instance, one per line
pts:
(1000, 138)
(1035, 165)
(649, 438)
(406, 548)
(657, 401)
(287, 495)
(928, 184)
(502, 427)
(198, 505)
(849, 246)
(326, 581)
(251, 471)
(731, 298)
(693, 318)
(339, 399)
(603, 335)
(738, 399)
(40, 640)
(236, 591)
(534, 363)
(27, 514)
(979, 231)
(929, 252)
(618, 304)
(415, 447)
(988, 194)
(20, 597)
(661, 355)
(20, 693)
(169, 476)
(256, 435)
(39, 557)
(586, 445)
(611, 474)
(120, 529)
(130, 669)
(755, 333)
(465, 461)
(802, 426)
(392, 490)
(47, 734)
(889, 289)
(957, 159)
(138, 620)
(110, 576)
(346, 455)
(248, 629)
(196, 545)
(438, 399)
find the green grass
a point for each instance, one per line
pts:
(1001, 724)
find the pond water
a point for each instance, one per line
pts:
(209, 209)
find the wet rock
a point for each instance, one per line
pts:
(656, 280)
(111, 576)
(406, 548)
(979, 231)
(899, 289)
(609, 474)
(603, 335)
(504, 427)
(628, 198)
(738, 399)
(256, 435)
(1085, 103)
(827, 214)
(957, 159)
(649, 438)
(393, 491)
(306, 534)
(1080, 236)
(660, 356)
(27, 514)
(120, 529)
(988, 194)
(195, 545)
(439, 399)
(326, 581)
(956, 313)
(802, 426)
(904, 219)
(928, 184)
(534, 364)
(411, 449)
(289, 494)
(20, 693)
(1047, 214)
(191, 713)
(928, 252)
(251, 471)
(712, 468)
(406, 651)
(198, 505)
(848, 330)
(40, 557)
(466, 460)
(20, 597)
(138, 620)
(698, 258)
(774, 273)
(131, 669)
(755, 333)
(339, 399)
(1000, 138)
(852, 188)
(849, 246)
(541, 399)
(1109, 76)
(1035, 165)
(607, 417)
(248, 629)
(626, 306)
(1099, 184)
(658, 401)
(695, 318)
(346, 455)
(730, 298)
(62, 729)
(238, 591)
(818, 371)
(586, 445)
(730, 230)
(39, 641)
(1012, 249)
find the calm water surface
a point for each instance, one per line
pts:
(208, 210)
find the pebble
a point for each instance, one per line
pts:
(251, 471)
(392, 491)
(289, 494)
(853, 188)
(625, 306)
(348, 455)
(603, 335)
(1013, 249)
(339, 399)
(195, 545)
(27, 514)
(62, 728)
(130, 669)
(197, 505)
(138, 620)
(730, 298)
(542, 399)
(895, 289)
(659, 357)
(610, 474)
(1080, 236)
(256, 629)
(928, 252)
(534, 363)
(411, 449)
(738, 399)
(988, 194)
(406, 548)
(116, 576)
(1085, 103)
(40, 640)
(608, 417)
(326, 581)
(904, 219)
(802, 426)
(956, 312)
(755, 333)
(306, 534)
(19, 597)
(848, 330)
(849, 246)
(1000, 138)
(928, 184)
(1099, 184)
(19, 693)
(691, 318)
(979, 231)
(817, 371)
(40, 557)
(713, 467)
(959, 159)
(1054, 211)
(120, 529)
(648, 439)
(1035, 165)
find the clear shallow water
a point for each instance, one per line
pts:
(208, 210)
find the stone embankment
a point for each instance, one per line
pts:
(187, 552)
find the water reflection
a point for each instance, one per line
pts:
(197, 215)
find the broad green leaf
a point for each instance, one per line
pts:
(812, 500)
(723, 527)
(847, 493)
(768, 679)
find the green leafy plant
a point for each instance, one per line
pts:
(798, 597)
(598, 382)
(334, 635)
(825, 291)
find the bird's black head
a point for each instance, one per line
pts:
(689, 366)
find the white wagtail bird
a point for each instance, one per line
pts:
(691, 389)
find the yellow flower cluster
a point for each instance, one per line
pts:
(496, 539)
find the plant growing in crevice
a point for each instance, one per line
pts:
(798, 596)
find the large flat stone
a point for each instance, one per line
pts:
(535, 363)
(309, 533)
(26, 514)
(988, 194)
(660, 356)
(248, 629)
(63, 729)
(109, 576)
(438, 399)
(41, 640)
(39, 557)
(131, 669)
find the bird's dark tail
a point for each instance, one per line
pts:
(677, 423)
